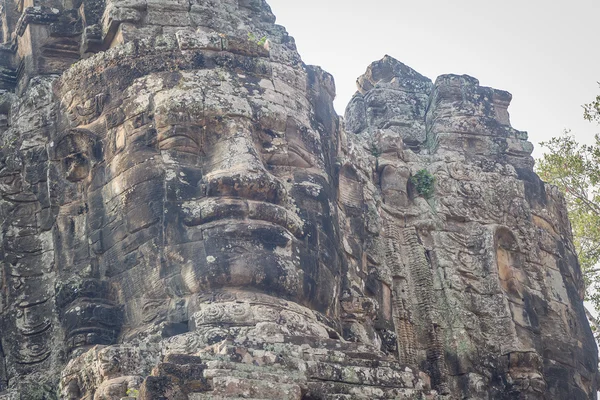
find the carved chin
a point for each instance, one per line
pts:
(253, 257)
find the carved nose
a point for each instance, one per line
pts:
(237, 170)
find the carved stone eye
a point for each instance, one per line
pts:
(77, 152)
(76, 166)
(186, 139)
(286, 149)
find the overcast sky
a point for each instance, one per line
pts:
(546, 53)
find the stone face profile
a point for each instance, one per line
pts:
(185, 216)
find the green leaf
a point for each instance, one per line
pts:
(424, 183)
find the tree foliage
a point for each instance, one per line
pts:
(591, 111)
(575, 169)
(424, 183)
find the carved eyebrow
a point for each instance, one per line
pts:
(290, 150)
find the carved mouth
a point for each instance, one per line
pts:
(212, 209)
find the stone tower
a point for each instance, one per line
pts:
(184, 216)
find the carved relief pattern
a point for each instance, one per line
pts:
(184, 215)
(28, 315)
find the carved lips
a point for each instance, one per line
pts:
(215, 209)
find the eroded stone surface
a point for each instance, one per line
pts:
(184, 216)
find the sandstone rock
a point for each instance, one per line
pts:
(184, 216)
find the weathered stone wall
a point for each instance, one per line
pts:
(184, 216)
(497, 296)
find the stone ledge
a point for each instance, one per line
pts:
(36, 15)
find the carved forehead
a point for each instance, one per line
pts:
(203, 94)
(195, 97)
(185, 49)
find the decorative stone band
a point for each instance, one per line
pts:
(156, 49)
(115, 14)
(189, 40)
(264, 314)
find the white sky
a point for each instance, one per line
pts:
(546, 53)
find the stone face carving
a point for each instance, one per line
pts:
(184, 216)
(391, 96)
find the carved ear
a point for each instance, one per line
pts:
(510, 264)
(351, 189)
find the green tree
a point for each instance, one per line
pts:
(575, 169)
(591, 111)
